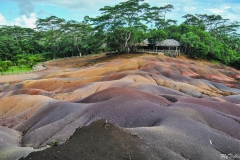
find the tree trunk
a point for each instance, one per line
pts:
(127, 37)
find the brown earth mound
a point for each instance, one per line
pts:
(99, 140)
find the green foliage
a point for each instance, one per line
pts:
(215, 62)
(8, 48)
(53, 143)
(236, 63)
(156, 16)
(214, 24)
(47, 55)
(17, 69)
(28, 60)
(157, 35)
(8, 67)
(3, 66)
(120, 24)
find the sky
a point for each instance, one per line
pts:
(24, 13)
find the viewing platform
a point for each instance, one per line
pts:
(173, 53)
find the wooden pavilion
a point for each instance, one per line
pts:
(169, 46)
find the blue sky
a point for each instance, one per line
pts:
(25, 12)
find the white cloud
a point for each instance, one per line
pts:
(23, 21)
(220, 10)
(17, 21)
(216, 11)
(2, 20)
(29, 22)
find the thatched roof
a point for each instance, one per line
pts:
(146, 41)
(169, 43)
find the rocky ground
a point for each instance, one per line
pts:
(125, 106)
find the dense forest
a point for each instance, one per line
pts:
(118, 28)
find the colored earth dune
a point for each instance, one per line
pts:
(142, 107)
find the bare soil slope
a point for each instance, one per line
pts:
(150, 106)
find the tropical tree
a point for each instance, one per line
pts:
(157, 35)
(50, 28)
(3, 66)
(9, 48)
(121, 21)
(77, 33)
(214, 24)
(156, 16)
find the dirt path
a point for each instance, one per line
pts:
(25, 76)
(51, 67)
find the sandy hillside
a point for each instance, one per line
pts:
(121, 107)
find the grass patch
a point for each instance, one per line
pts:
(17, 70)
(215, 62)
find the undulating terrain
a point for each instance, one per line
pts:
(122, 107)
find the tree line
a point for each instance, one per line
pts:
(119, 27)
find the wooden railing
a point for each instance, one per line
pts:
(158, 51)
(171, 53)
